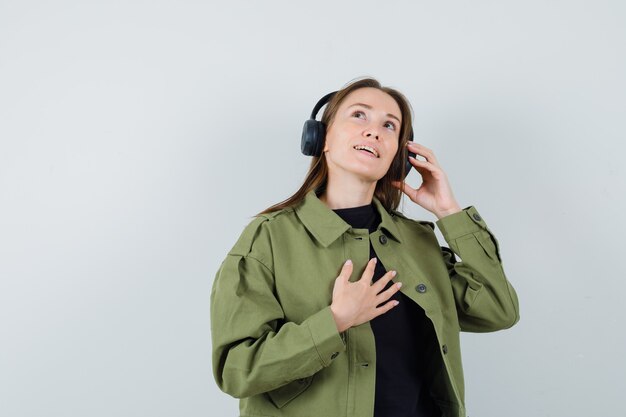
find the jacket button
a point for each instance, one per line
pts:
(476, 217)
(383, 239)
(421, 288)
(334, 355)
(444, 348)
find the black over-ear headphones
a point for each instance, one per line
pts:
(314, 131)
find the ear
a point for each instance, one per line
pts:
(325, 139)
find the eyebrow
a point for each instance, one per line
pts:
(367, 106)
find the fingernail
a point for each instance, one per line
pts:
(348, 262)
(393, 273)
(399, 284)
(395, 303)
(375, 260)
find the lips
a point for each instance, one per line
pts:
(369, 149)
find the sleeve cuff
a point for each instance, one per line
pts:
(328, 342)
(461, 223)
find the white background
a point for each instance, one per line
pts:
(137, 139)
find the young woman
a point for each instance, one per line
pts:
(334, 304)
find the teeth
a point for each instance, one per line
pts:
(367, 148)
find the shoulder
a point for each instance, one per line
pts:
(403, 220)
(256, 234)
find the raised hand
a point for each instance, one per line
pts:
(435, 193)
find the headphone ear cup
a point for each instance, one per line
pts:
(408, 163)
(313, 133)
(408, 167)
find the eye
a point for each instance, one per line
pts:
(358, 112)
(391, 125)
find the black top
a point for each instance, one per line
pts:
(404, 339)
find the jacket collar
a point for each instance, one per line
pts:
(326, 226)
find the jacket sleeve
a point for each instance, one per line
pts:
(255, 348)
(485, 299)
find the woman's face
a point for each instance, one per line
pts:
(363, 138)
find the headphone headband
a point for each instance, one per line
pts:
(321, 103)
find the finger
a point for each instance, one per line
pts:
(428, 170)
(383, 281)
(418, 163)
(368, 274)
(385, 308)
(423, 151)
(346, 271)
(423, 167)
(385, 295)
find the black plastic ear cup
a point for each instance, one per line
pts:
(408, 166)
(313, 133)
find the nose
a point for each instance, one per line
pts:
(370, 134)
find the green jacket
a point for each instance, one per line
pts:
(275, 343)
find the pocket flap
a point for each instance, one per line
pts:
(282, 395)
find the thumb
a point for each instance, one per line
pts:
(404, 187)
(398, 184)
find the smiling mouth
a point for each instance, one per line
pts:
(367, 149)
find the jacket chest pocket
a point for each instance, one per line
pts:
(283, 395)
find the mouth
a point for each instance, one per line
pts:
(368, 149)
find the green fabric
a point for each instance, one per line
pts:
(275, 342)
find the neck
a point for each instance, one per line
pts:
(347, 192)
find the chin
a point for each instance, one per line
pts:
(364, 173)
(370, 177)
